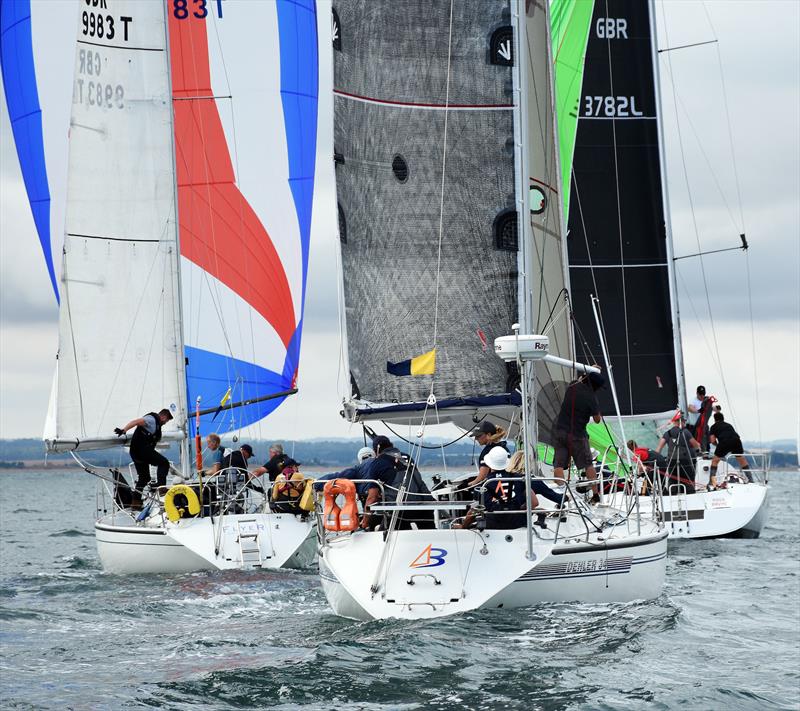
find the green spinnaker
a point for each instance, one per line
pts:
(569, 29)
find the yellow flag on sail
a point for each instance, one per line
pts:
(424, 364)
(225, 398)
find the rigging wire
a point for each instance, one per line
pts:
(691, 207)
(741, 216)
(441, 192)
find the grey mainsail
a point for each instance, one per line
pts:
(431, 165)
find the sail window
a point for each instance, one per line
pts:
(538, 200)
(501, 47)
(336, 30)
(400, 168)
(505, 231)
(342, 225)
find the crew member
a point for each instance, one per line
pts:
(726, 441)
(570, 439)
(216, 453)
(236, 461)
(700, 414)
(680, 462)
(382, 468)
(143, 447)
(487, 435)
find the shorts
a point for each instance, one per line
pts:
(569, 446)
(733, 446)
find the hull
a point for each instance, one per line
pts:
(444, 572)
(239, 541)
(739, 511)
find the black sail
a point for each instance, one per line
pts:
(617, 241)
(395, 72)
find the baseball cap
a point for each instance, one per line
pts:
(485, 427)
(247, 448)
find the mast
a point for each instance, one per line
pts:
(521, 171)
(673, 290)
(524, 239)
(183, 388)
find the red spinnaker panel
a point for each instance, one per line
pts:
(219, 231)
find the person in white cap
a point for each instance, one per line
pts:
(506, 494)
(363, 454)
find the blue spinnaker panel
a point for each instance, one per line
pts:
(22, 100)
(209, 375)
(299, 52)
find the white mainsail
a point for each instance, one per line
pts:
(120, 347)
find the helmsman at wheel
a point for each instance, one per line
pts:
(143, 446)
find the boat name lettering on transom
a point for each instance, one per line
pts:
(611, 106)
(612, 28)
(586, 566)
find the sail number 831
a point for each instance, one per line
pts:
(181, 9)
(611, 106)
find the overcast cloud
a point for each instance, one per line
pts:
(759, 44)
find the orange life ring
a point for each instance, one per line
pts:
(340, 518)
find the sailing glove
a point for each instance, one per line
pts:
(119, 432)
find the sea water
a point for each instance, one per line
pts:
(725, 633)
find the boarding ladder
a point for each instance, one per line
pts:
(679, 507)
(248, 538)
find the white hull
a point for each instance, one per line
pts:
(486, 570)
(738, 511)
(191, 545)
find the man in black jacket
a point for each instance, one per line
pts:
(143, 447)
(726, 441)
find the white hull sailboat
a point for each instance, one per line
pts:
(252, 541)
(621, 257)
(738, 508)
(451, 235)
(486, 570)
(192, 158)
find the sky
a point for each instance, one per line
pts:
(751, 365)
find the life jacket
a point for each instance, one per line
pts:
(334, 517)
(642, 453)
(142, 440)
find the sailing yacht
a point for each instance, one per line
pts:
(451, 236)
(192, 146)
(621, 260)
